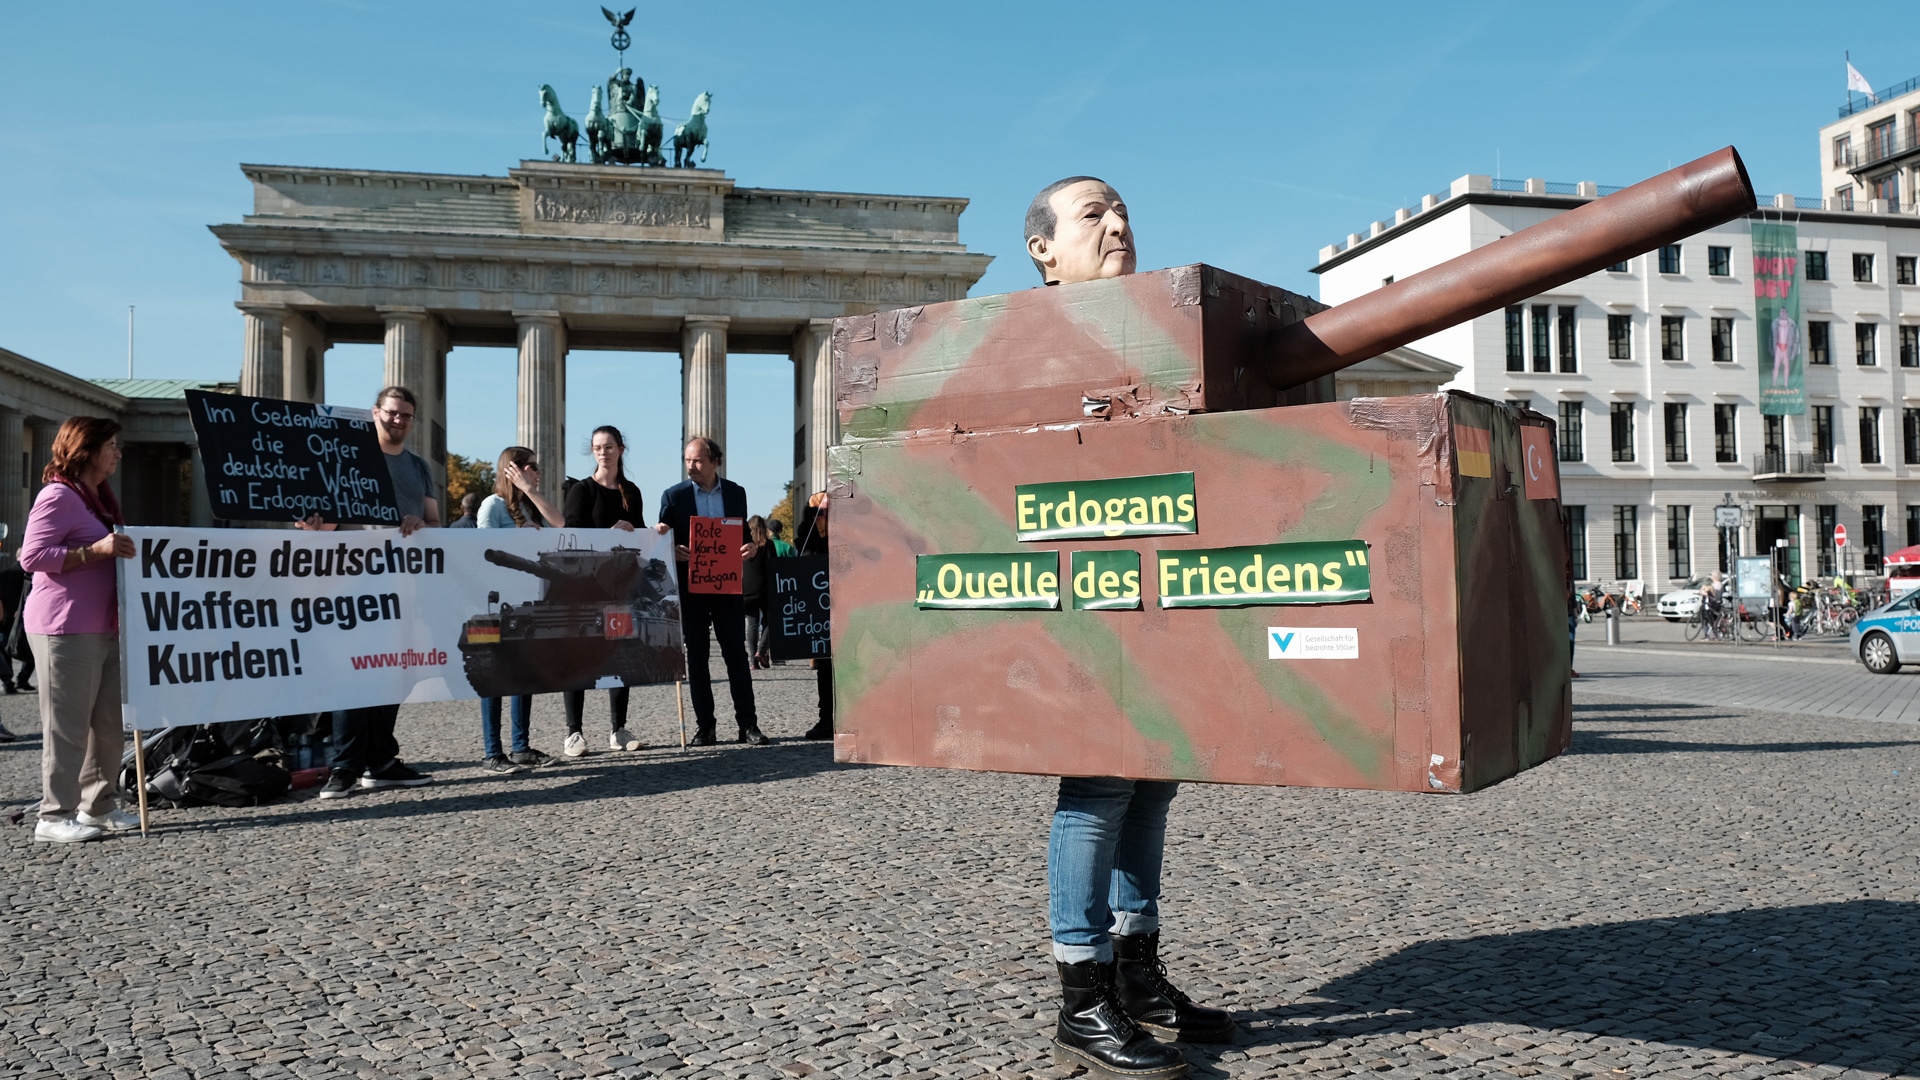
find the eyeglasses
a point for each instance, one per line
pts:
(533, 466)
(397, 417)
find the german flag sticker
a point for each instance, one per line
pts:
(1474, 447)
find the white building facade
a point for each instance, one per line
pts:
(1651, 369)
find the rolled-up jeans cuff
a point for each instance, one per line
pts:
(1132, 923)
(1080, 954)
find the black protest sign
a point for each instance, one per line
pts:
(271, 460)
(800, 608)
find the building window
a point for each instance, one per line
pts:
(1542, 339)
(1910, 346)
(1623, 431)
(1887, 190)
(1843, 198)
(1726, 433)
(1862, 266)
(1842, 151)
(1910, 436)
(1516, 349)
(1722, 341)
(1676, 430)
(1670, 259)
(1873, 536)
(1720, 262)
(1827, 554)
(1869, 435)
(1865, 336)
(1572, 439)
(1904, 271)
(1576, 541)
(1816, 264)
(1822, 431)
(1626, 542)
(1617, 268)
(1673, 334)
(1880, 140)
(1564, 330)
(1773, 438)
(1619, 337)
(1819, 343)
(1913, 524)
(1680, 541)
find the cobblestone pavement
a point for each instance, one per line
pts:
(1818, 677)
(1694, 890)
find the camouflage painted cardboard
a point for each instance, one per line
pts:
(1460, 677)
(1164, 343)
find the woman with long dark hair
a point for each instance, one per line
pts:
(605, 500)
(516, 503)
(756, 589)
(73, 624)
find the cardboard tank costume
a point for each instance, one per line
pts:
(1118, 528)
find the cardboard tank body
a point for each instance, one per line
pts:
(601, 614)
(1364, 594)
(1461, 676)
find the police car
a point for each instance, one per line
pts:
(1889, 635)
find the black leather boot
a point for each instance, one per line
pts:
(1154, 1003)
(1095, 1033)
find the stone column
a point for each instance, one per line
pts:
(262, 366)
(303, 350)
(42, 432)
(815, 421)
(413, 338)
(703, 378)
(13, 475)
(200, 505)
(543, 395)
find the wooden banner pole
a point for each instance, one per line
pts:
(681, 703)
(140, 777)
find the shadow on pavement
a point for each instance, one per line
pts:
(1833, 983)
(1607, 742)
(459, 788)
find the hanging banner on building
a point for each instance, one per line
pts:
(233, 624)
(272, 460)
(1776, 293)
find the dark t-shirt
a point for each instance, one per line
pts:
(412, 482)
(590, 506)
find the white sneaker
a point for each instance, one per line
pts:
(620, 740)
(63, 831)
(575, 746)
(115, 821)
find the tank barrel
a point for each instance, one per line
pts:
(525, 566)
(1675, 204)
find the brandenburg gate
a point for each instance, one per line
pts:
(555, 257)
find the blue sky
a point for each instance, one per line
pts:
(1243, 135)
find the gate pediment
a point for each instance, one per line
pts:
(622, 203)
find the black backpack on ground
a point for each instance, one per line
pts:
(232, 764)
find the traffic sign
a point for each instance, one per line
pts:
(1726, 517)
(1839, 536)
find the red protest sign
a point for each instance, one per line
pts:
(715, 567)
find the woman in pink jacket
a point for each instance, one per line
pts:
(73, 625)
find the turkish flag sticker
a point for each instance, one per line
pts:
(1537, 452)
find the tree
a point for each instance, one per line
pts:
(782, 512)
(464, 475)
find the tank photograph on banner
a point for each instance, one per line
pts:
(596, 616)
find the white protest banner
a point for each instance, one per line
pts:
(232, 624)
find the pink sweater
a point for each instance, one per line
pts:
(76, 601)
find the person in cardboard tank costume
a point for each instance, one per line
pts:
(1109, 834)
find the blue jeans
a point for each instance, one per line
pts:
(490, 724)
(1103, 863)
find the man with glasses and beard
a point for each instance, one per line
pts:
(365, 753)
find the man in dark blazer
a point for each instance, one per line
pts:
(705, 494)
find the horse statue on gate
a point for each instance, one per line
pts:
(650, 128)
(559, 125)
(692, 133)
(598, 131)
